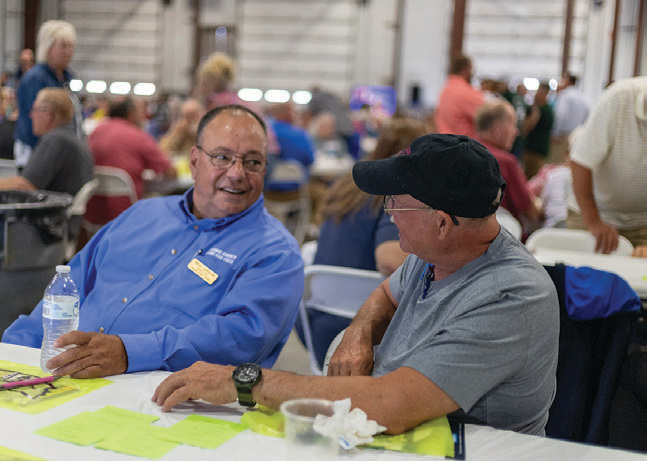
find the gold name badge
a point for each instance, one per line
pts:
(202, 271)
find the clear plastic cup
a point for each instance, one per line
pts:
(302, 441)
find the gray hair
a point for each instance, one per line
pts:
(50, 32)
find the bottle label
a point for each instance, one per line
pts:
(61, 309)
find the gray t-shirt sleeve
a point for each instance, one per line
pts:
(44, 162)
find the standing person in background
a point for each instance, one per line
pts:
(518, 101)
(459, 100)
(54, 52)
(609, 168)
(26, 62)
(571, 110)
(215, 79)
(356, 232)
(120, 142)
(537, 127)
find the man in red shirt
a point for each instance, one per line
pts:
(496, 128)
(459, 100)
(121, 143)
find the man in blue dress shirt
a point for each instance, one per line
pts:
(209, 275)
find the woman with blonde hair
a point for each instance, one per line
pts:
(215, 78)
(54, 51)
(355, 231)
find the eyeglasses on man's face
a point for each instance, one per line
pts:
(389, 202)
(388, 208)
(251, 163)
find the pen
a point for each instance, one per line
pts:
(28, 382)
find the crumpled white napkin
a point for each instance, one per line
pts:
(352, 427)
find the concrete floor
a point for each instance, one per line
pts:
(294, 357)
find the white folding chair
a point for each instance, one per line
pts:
(8, 168)
(505, 218)
(75, 214)
(338, 291)
(571, 240)
(308, 252)
(294, 214)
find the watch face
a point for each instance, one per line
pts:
(247, 373)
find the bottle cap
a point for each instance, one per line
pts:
(63, 269)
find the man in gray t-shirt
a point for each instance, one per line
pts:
(467, 327)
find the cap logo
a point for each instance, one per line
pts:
(405, 151)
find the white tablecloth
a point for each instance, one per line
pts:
(633, 270)
(133, 392)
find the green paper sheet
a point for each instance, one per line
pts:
(13, 455)
(433, 437)
(40, 397)
(121, 416)
(88, 428)
(202, 431)
(264, 421)
(137, 443)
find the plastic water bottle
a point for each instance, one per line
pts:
(60, 312)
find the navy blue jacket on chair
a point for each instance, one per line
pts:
(591, 351)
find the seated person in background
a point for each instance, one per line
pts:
(209, 275)
(120, 142)
(468, 326)
(295, 143)
(552, 184)
(182, 134)
(328, 143)
(8, 117)
(356, 232)
(496, 129)
(60, 162)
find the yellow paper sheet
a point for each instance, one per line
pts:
(40, 397)
(130, 432)
(8, 454)
(137, 443)
(433, 437)
(202, 431)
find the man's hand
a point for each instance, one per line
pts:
(606, 237)
(201, 380)
(95, 355)
(353, 356)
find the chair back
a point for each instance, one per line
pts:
(294, 213)
(82, 198)
(337, 291)
(114, 182)
(75, 213)
(308, 252)
(8, 168)
(508, 221)
(571, 240)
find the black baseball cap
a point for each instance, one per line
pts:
(452, 173)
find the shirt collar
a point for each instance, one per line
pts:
(186, 204)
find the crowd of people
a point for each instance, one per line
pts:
(200, 282)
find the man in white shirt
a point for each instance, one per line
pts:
(609, 167)
(571, 110)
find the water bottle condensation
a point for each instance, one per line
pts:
(60, 312)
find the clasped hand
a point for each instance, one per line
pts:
(95, 355)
